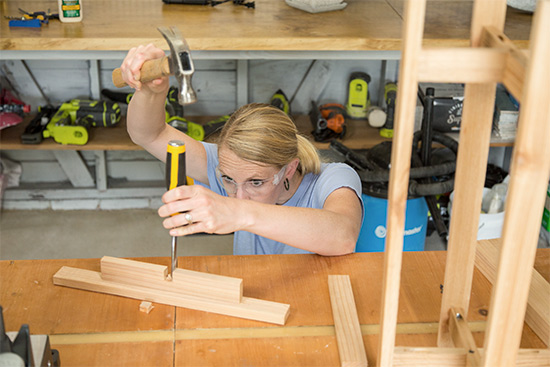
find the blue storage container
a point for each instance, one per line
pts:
(373, 231)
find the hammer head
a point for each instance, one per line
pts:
(181, 64)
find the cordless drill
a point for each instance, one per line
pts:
(70, 124)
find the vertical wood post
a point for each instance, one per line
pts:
(524, 204)
(413, 30)
(473, 152)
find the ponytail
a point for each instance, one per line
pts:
(264, 134)
(310, 161)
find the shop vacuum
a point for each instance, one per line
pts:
(431, 174)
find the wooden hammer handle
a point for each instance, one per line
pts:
(151, 70)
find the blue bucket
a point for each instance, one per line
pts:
(373, 231)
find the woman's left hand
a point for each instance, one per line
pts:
(196, 209)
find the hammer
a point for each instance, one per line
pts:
(179, 63)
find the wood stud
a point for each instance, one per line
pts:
(491, 59)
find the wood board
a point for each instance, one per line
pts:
(248, 308)
(189, 282)
(346, 322)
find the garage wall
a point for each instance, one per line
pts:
(216, 84)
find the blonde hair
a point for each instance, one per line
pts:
(264, 134)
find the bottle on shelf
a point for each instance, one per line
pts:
(70, 11)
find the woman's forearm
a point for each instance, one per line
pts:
(329, 231)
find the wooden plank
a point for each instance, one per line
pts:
(462, 65)
(448, 357)
(516, 63)
(471, 167)
(249, 308)
(462, 337)
(346, 322)
(362, 25)
(399, 176)
(537, 315)
(530, 171)
(189, 282)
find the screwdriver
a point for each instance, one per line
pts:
(175, 176)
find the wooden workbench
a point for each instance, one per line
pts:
(95, 329)
(272, 30)
(364, 25)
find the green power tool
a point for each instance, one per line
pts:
(280, 101)
(358, 95)
(390, 95)
(70, 124)
(174, 115)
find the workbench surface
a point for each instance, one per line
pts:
(364, 25)
(90, 328)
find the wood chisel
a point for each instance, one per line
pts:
(175, 176)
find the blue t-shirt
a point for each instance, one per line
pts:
(312, 193)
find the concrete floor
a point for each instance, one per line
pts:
(65, 234)
(59, 234)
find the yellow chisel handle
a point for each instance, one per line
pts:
(175, 164)
(175, 176)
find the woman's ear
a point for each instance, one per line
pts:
(292, 167)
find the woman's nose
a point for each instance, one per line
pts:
(241, 193)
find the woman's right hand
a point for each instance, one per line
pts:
(131, 68)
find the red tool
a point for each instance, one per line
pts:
(11, 109)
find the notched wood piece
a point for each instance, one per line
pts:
(193, 283)
(249, 308)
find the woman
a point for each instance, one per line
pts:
(262, 180)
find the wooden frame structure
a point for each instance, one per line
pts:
(491, 59)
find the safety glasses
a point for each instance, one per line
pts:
(254, 187)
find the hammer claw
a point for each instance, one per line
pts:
(181, 63)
